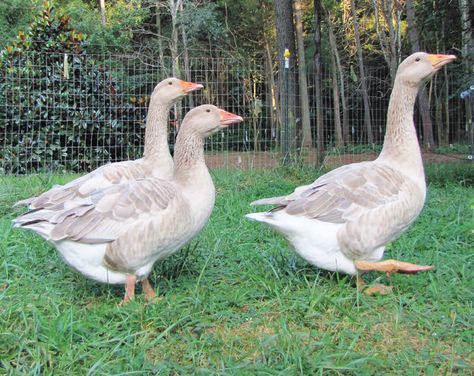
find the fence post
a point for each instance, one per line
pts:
(286, 136)
(469, 95)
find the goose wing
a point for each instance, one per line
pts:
(101, 178)
(106, 214)
(347, 193)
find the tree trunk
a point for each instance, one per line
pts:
(174, 6)
(187, 67)
(161, 55)
(390, 12)
(363, 78)
(271, 97)
(102, 12)
(423, 102)
(173, 43)
(341, 91)
(338, 141)
(303, 83)
(285, 36)
(317, 81)
(467, 22)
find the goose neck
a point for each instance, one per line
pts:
(189, 154)
(401, 148)
(400, 136)
(156, 131)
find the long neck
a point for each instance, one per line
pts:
(401, 146)
(192, 176)
(189, 154)
(156, 132)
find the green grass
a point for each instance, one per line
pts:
(237, 301)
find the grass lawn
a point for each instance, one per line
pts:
(238, 301)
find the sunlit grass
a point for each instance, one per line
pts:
(237, 301)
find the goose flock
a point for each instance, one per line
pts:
(114, 223)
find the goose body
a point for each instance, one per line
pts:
(343, 220)
(124, 229)
(156, 162)
(117, 233)
(346, 215)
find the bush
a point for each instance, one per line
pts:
(61, 109)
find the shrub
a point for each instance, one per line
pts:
(61, 109)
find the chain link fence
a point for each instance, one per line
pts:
(66, 112)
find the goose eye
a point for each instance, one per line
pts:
(417, 59)
(208, 110)
(170, 83)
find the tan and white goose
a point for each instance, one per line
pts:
(343, 220)
(117, 233)
(156, 159)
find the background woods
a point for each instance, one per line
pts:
(76, 75)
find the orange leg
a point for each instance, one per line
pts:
(129, 289)
(149, 292)
(391, 266)
(387, 266)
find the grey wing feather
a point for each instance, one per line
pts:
(349, 194)
(344, 193)
(107, 213)
(110, 218)
(103, 177)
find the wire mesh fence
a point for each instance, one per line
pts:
(74, 112)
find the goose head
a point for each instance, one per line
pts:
(207, 119)
(172, 89)
(420, 66)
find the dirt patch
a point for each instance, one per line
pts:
(248, 160)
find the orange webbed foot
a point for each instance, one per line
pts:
(374, 289)
(391, 266)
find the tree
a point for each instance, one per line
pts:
(467, 22)
(124, 20)
(317, 80)
(428, 139)
(102, 12)
(159, 33)
(307, 140)
(174, 7)
(338, 79)
(363, 78)
(388, 14)
(285, 35)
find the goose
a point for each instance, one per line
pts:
(344, 219)
(117, 233)
(156, 159)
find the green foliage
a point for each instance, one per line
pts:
(15, 15)
(203, 24)
(122, 19)
(59, 103)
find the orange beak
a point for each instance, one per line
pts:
(189, 86)
(228, 118)
(439, 60)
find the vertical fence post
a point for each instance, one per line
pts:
(286, 136)
(469, 95)
(471, 130)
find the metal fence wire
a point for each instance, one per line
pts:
(65, 112)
